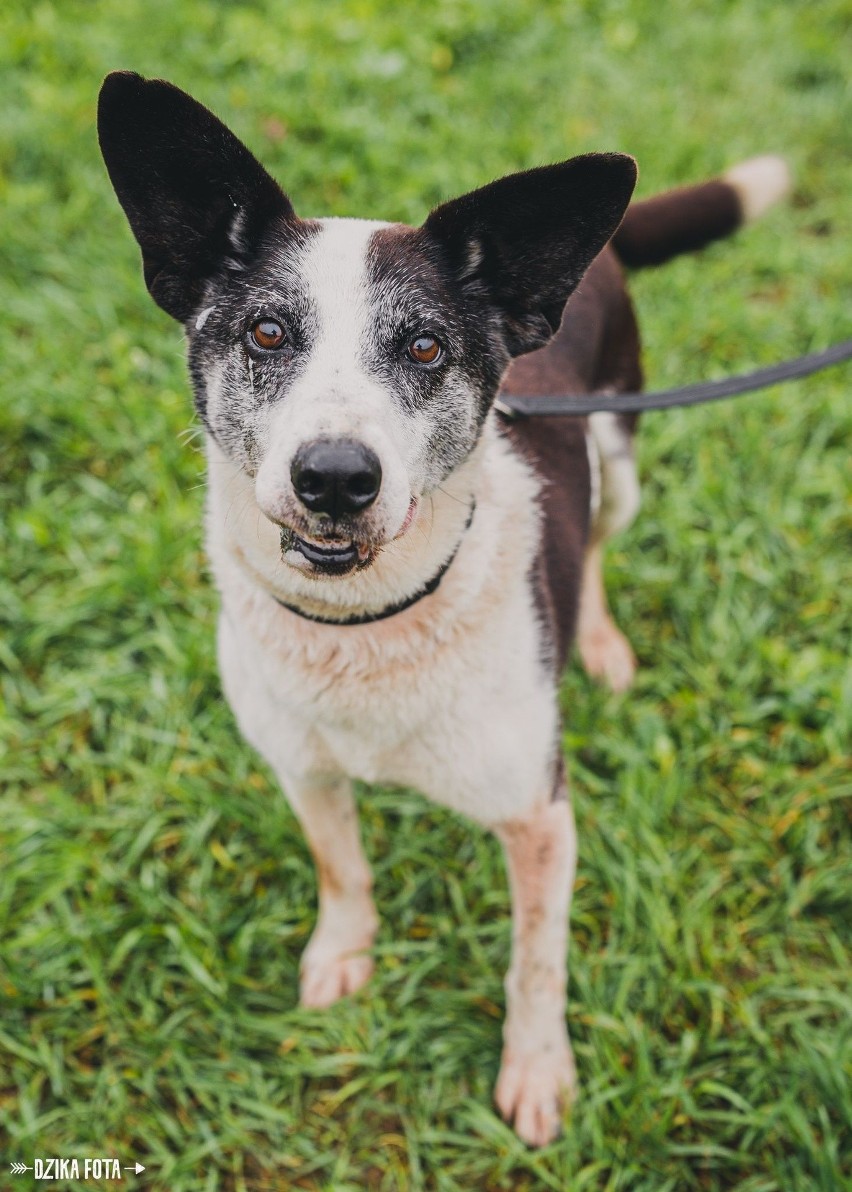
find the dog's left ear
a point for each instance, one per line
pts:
(525, 241)
(193, 194)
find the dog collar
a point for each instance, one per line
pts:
(390, 610)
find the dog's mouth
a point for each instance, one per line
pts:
(328, 556)
(335, 554)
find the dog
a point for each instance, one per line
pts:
(402, 569)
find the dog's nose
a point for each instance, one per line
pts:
(336, 476)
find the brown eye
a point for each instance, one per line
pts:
(425, 349)
(268, 334)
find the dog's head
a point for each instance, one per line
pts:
(346, 366)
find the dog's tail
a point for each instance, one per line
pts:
(655, 230)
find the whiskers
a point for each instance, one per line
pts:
(427, 538)
(191, 435)
(241, 502)
(452, 496)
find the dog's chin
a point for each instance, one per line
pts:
(325, 556)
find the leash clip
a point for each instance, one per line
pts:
(507, 411)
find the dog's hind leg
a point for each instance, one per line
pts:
(337, 960)
(604, 650)
(537, 1075)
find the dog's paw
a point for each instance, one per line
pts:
(326, 977)
(607, 656)
(532, 1090)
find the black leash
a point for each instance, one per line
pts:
(513, 406)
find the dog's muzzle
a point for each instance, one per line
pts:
(336, 479)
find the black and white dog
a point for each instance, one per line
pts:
(402, 571)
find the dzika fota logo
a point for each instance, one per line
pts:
(76, 1169)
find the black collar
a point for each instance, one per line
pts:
(390, 610)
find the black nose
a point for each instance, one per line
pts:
(336, 476)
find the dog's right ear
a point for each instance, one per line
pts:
(526, 240)
(194, 195)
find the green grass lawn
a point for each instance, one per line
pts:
(155, 890)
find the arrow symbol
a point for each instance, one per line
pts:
(137, 1168)
(20, 1168)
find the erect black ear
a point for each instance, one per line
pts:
(194, 195)
(525, 241)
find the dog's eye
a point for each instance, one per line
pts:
(268, 334)
(425, 349)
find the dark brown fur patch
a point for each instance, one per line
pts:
(596, 348)
(654, 230)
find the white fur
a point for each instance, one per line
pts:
(335, 396)
(619, 482)
(759, 182)
(448, 696)
(594, 457)
(203, 317)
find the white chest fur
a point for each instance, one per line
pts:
(449, 696)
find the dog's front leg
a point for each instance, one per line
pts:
(537, 1074)
(336, 960)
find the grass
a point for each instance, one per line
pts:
(156, 893)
